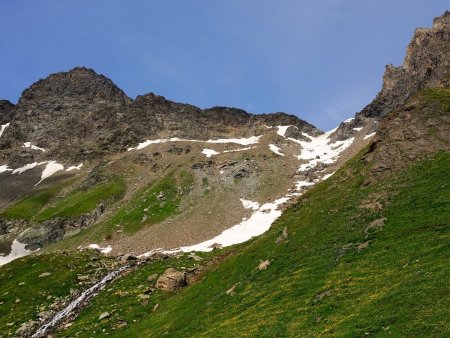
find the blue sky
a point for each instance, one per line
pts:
(321, 60)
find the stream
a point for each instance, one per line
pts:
(85, 295)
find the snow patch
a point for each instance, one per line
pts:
(349, 120)
(17, 250)
(358, 129)
(104, 250)
(369, 136)
(327, 176)
(258, 223)
(25, 168)
(209, 152)
(236, 150)
(51, 168)
(78, 167)
(250, 204)
(241, 141)
(29, 145)
(276, 149)
(4, 168)
(4, 126)
(282, 130)
(301, 184)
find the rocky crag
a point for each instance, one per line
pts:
(426, 65)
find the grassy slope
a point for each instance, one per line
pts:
(31, 205)
(397, 286)
(23, 294)
(37, 206)
(80, 202)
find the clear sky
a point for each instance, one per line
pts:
(321, 60)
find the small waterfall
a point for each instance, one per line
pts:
(85, 295)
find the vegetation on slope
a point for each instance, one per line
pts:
(31, 205)
(34, 284)
(337, 274)
(79, 202)
(45, 204)
(153, 204)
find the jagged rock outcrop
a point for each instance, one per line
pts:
(426, 65)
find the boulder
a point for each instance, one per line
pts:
(263, 265)
(171, 280)
(104, 315)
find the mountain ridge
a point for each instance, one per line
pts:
(80, 114)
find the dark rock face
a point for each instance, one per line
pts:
(426, 65)
(6, 111)
(53, 230)
(79, 115)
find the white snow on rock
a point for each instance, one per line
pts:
(282, 130)
(327, 176)
(319, 150)
(369, 136)
(276, 149)
(209, 152)
(25, 168)
(241, 141)
(4, 126)
(51, 168)
(358, 129)
(29, 145)
(258, 223)
(236, 150)
(17, 250)
(104, 250)
(73, 167)
(301, 184)
(349, 120)
(250, 204)
(4, 168)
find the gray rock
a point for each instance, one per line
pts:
(263, 265)
(104, 315)
(171, 280)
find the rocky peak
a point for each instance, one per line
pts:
(79, 83)
(426, 65)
